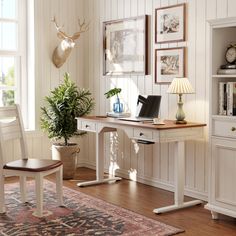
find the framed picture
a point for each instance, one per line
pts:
(170, 23)
(125, 46)
(169, 63)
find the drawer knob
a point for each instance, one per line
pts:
(141, 134)
(233, 129)
(86, 126)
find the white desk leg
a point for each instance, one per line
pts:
(179, 182)
(99, 163)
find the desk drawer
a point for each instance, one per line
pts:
(224, 128)
(144, 134)
(88, 126)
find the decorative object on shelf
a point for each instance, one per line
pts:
(228, 66)
(58, 119)
(62, 51)
(180, 86)
(230, 57)
(125, 46)
(170, 23)
(169, 63)
(117, 106)
(226, 72)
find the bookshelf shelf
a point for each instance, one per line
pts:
(223, 76)
(224, 118)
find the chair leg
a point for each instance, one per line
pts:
(39, 195)
(59, 186)
(2, 195)
(23, 189)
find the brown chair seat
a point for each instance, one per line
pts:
(33, 165)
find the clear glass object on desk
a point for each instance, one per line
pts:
(118, 106)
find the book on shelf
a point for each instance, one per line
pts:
(226, 72)
(230, 87)
(222, 98)
(227, 98)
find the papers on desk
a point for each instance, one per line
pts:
(118, 115)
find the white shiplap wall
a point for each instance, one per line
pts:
(47, 76)
(155, 164)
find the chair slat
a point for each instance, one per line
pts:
(10, 130)
(7, 112)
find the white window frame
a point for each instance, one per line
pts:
(21, 87)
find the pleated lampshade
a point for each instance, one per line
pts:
(180, 86)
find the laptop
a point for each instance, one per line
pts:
(147, 108)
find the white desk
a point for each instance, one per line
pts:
(170, 132)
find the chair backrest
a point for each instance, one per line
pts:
(11, 128)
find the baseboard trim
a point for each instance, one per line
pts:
(150, 181)
(220, 210)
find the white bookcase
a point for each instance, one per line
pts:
(222, 179)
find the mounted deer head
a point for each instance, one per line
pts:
(62, 51)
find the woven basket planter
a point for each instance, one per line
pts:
(67, 155)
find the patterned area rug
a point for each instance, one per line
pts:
(82, 215)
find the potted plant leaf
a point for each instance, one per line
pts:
(63, 104)
(117, 106)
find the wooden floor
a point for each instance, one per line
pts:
(143, 199)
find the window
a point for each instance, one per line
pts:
(9, 52)
(13, 54)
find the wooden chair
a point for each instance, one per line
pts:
(11, 128)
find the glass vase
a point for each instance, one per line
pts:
(118, 106)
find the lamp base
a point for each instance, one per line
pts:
(180, 122)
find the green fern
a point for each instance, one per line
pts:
(64, 104)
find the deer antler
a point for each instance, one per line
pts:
(60, 33)
(83, 25)
(82, 28)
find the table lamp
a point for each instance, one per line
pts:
(180, 86)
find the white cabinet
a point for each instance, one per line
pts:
(222, 184)
(222, 198)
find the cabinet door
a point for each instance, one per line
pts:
(223, 176)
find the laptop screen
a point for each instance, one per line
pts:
(148, 107)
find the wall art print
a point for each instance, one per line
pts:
(125, 46)
(170, 24)
(169, 63)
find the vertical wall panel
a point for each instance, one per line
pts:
(200, 88)
(222, 8)
(190, 100)
(211, 6)
(231, 8)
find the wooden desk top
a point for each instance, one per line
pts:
(169, 124)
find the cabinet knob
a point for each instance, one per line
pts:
(86, 126)
(233, 129)
(141, 134)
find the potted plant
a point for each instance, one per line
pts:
(117, 106)
(63, 104)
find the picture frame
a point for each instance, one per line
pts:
(169, 63)
(125, 46)
(170, 23)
